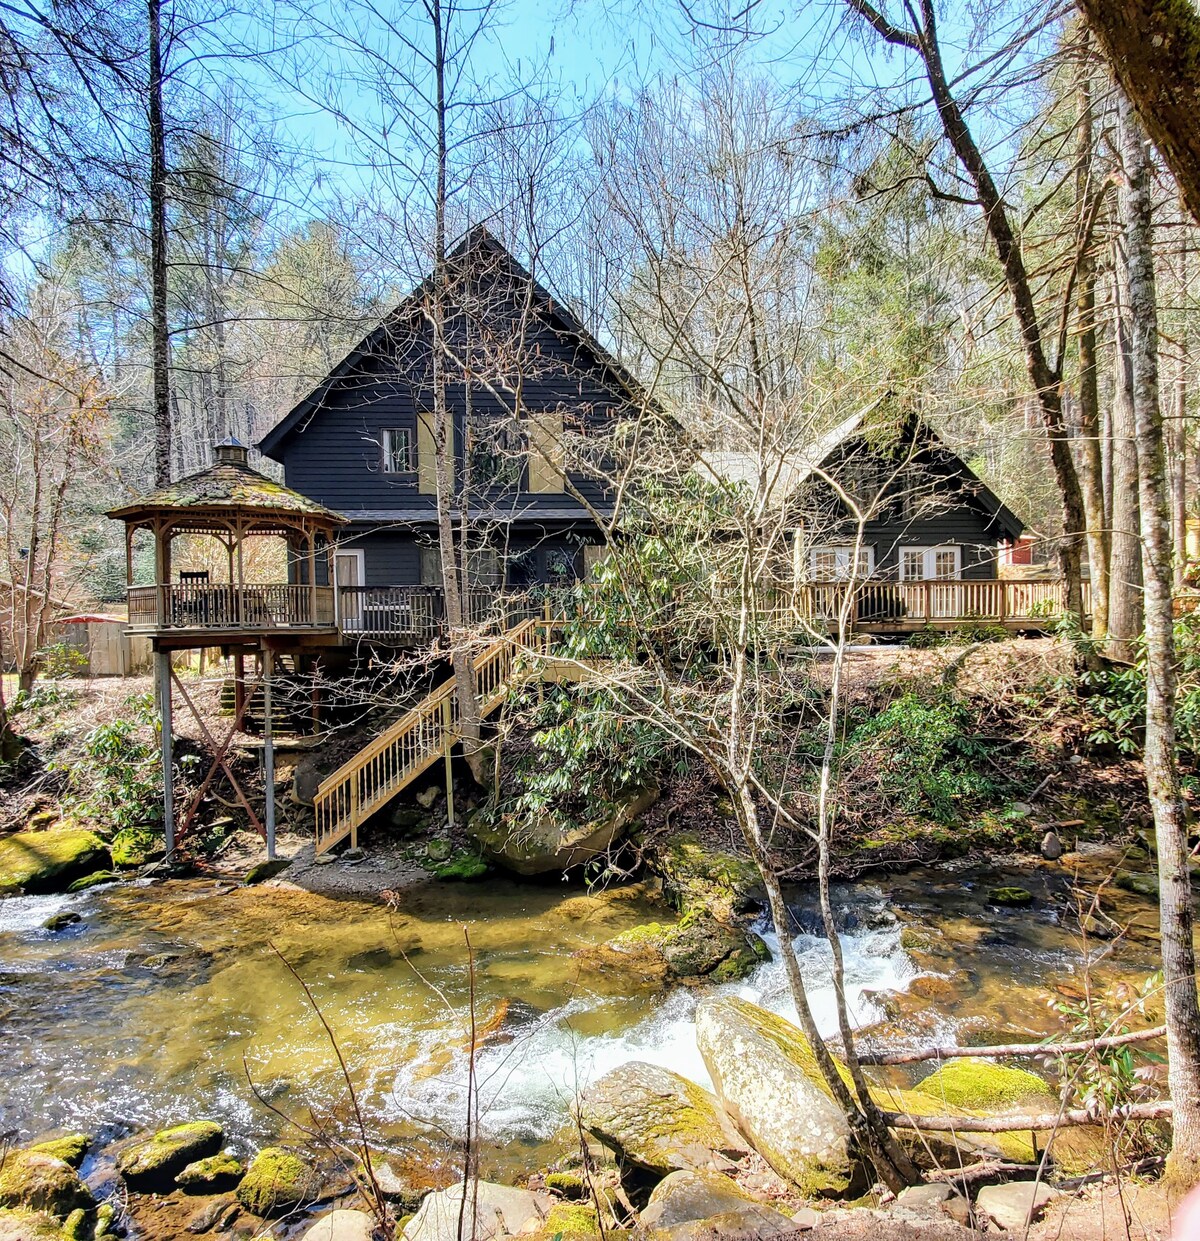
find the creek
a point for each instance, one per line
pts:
(156, 1005)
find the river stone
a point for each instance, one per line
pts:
(697, 947)
(658, 1119)
(692, 1204)
(276, 1182)
(262, 871)
(154, 1163)
(94, 880)
(766, 1077)
(37, 1181)
(982, 1086)
(47, 861)
(1052, 847)
(1014, 1206)
(212, 1175)
(491, 1211)
(1010, 897)
(341, 1226)
(29, 1226)
(698, 876)
(552, 845)
(60, 922)
(70, 1148)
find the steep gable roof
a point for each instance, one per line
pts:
(478, 247)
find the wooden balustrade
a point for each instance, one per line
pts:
(366, 782)
(226, 606)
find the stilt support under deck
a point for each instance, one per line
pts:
(268, 754)
(163, 661)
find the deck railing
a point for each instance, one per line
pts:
(413, 615)
(226, 606)
(366, 782)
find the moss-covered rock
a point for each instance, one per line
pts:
(276, 1182)
(569, 1184)
(211, 1175)
(569, 1221)
(77, 1227)
(94, 880)
(60, 922)
(1138, 883)
(700, 877)
(47, 861)
(462, 868)
(658, 1120)
(267, 870)
(1012, 897)
(554, 844)
(71, 1148)
(135, 846)
(36, 1181)
(767, 1078)
(695, 1204)
(695, 947)
(983, 1086)
(154, 1163)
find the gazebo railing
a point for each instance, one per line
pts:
(225, 606)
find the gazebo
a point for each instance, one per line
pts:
(232, 503)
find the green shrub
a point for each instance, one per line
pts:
(43, 702)
(926, 639)
(925, 757)
(972, 632)
(60, 661)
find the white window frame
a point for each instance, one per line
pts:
(389, 455)
(928, 554)
(842, 553)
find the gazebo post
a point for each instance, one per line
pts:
(312, 576)
(268, 753)
(163, 660)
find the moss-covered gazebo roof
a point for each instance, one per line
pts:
(229, 491)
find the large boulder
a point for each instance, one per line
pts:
(695, 947)
(47, 861)
(154, 1163)
(341, 1226)
(697, 876)
(693, 1204)
(554, 844)
(983, 1086)
(767, 1078)
(491, 1211)
(70, 1148)
(36, 1181)
(1013, 1207)
(658, 1120)
(276, 1182)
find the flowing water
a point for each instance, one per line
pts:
(162, 1001)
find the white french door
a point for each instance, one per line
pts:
(941, 564)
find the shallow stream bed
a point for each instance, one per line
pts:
(154, 1006)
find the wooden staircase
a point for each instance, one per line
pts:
(369, 780)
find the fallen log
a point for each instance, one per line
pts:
(1026, 1124)
(1011, 1049)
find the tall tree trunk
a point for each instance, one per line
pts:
(160, 346)
(1045, 377)
(1089, 460)
(1162, 772)
(461, 654)
(1177, 448)
(1125, 572)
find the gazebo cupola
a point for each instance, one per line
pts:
(232, 503)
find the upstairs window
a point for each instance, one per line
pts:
(398, 451)
(545, 432)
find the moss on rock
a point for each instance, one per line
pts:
(463, 868)
(37, 1181)
(155, 1162)
(1014, 897)
(267, 870)
(696, 876)
(211, 1175)
(135, 846)
(276, 1182)
(21, 1225)
(93, 880)
(46, 861)
(695, 947)
(568, 1220)
(569, 1184)
(982, 1086)
(71, 1148)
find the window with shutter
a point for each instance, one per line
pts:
(545, 432)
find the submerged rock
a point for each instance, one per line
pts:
(263, 871)
(94, 880)
(212, 1175)
(71, 1148)
(1013, 897)
(690, 1204)
(276, 1182)
(153, 1164)
(36, 1181)
(60, 922)
(658, 1120)
(553, 844)
(767, 1078)
(46, 861)
(491, 1211)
